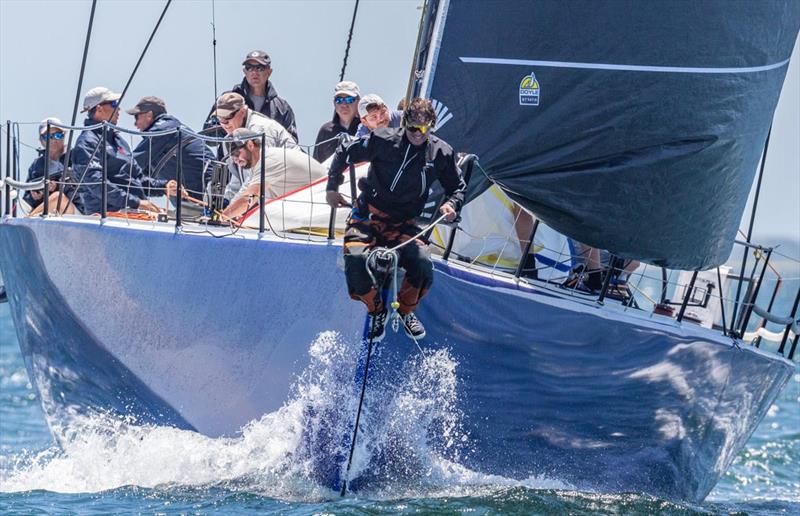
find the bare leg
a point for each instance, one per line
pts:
(67, 208)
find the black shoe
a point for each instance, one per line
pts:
(413, 327)
(376, 326)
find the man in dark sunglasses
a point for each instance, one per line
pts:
(55, 169)
(127, 186)
(259, 93)
(345, 119)
(404, 162)
(157, 155)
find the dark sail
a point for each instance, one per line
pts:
(631, 126)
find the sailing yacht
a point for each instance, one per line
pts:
(610, 125)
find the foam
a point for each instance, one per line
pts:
(411, 440)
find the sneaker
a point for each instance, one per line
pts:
(413, 327)
(376, 326)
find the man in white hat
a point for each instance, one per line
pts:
(374, 114)
(345, 119)
(127, 186)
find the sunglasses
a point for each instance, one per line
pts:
(256, 67)
(419, 128)
(56, 136)
(226, 119)
(113, 103)
(344, 100)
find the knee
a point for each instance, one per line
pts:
(355, 271)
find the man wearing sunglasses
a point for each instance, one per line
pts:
(345, 119)
(56, 168)
(259, 94)
(404, 162)
(285, 170)
(157, 156)
(374, 114)
(127, 186)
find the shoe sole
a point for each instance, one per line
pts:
(418, 337)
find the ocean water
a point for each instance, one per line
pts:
(112, 467)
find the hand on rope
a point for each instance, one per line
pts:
(448, 211)
(172, 190)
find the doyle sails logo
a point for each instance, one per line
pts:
(529, 91)
(443, 115)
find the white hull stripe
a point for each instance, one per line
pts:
(616, 67)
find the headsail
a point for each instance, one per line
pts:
(634, 127)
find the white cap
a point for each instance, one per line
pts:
(347, 88)
(43, 124)
(368, 100)
(97, 96)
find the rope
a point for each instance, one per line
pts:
(349, 38)
(358, 411)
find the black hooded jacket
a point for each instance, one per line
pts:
(400, 175)
(274, 107)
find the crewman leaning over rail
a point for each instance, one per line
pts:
(58, 203)
(285, 171)
(404, 162)
(127, 186)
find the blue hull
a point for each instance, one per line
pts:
(209, 334)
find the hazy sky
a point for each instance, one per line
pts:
(41, 44)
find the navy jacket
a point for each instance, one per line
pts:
(400, 174)
(151, 155)
(127, 185)
(36, 171)
(274, 107)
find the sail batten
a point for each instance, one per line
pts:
(630, 126)
(623, 67)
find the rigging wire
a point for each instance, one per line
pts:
(127, 85)
(214, 44)
(75, 105)
(141, 57)
(349, 39)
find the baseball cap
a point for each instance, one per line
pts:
(97, 96)
(43, 124)
(259, 56)
(229, 103)
(366, 101)
(346, 88)
(241, 137)
(145, 104)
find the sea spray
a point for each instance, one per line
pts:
(411, 433)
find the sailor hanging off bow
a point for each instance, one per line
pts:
(404, 162)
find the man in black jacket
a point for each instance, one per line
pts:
(404, 162)
(156, 156)
(259, 93)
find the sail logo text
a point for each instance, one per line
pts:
(529, 91)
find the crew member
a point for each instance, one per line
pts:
(403, 164)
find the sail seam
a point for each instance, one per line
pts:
(620, 67)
